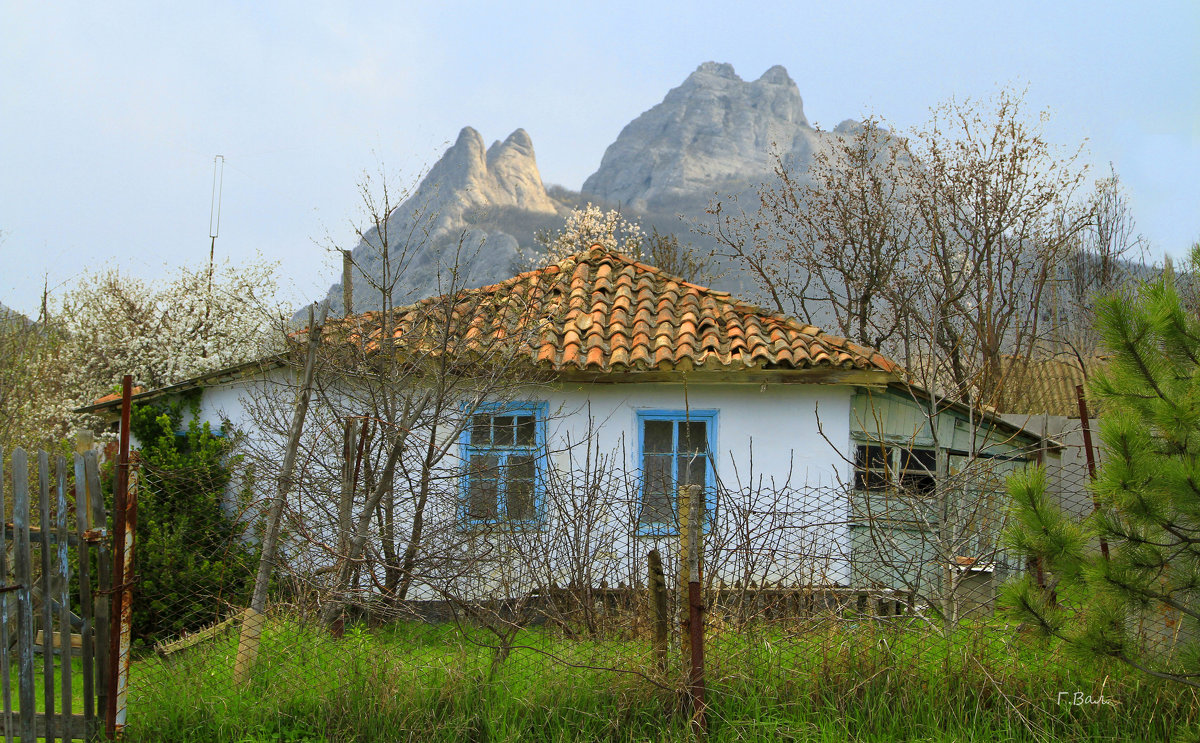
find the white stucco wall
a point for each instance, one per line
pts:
(779, 424)
(781, 452)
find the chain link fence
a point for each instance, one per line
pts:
(861, 610)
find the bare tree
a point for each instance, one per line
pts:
(397, 389)
(1106, 257)
(833, 239)
(996, 207)
(937, 247)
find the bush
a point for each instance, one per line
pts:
(191, 559)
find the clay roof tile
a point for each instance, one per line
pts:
(597, 309)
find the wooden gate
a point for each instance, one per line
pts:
(56, 569)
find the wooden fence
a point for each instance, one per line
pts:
(39, 611)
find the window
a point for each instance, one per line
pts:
(500, 447)
(883, 468)
(675, 448)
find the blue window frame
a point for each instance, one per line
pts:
(501, 447)
(675, 447)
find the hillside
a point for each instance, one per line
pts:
(715, 134)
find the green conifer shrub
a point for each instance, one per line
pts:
(192, 563)
(1140, 603)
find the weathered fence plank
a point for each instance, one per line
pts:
(82, 524)
(5, 660)
(659, 615)
(71, 728)
(37, 536)
(22, 562)
(47, 591)
(63, 576)
(55, 638)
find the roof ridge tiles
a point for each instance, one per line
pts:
(601, 308)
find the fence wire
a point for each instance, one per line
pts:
(429, 616)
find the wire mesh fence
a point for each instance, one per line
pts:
(482, 601)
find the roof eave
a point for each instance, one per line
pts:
(993, 418)
(829, 375)
(209, 379)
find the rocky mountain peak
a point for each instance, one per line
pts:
(716, 69)
(468, 185)
(481, 208)
(469, 177)
(777, 75)
(714, 130)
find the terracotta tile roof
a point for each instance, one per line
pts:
(600, 311)
(1045, 386)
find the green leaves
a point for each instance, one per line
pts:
(1039, 528)
(191, 555)
(1139, 602)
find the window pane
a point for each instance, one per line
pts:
(482, 487)
(657, 471)
(481, 430)
(502, 430)
(921, 460)
(658, 436)
(693, 436)
(871, 467)
(873, 480)
(519, 489)
(658, 486)
(526, 431)
(656, 509)
(918, 484)
(692, 469)
(872, 457)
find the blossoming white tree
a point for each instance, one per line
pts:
(111, 324)
(590, 225)
(584, 228)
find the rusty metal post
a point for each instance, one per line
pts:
(124, 660)
(120, 547)
(1085, 424)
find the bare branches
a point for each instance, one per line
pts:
(942, 247)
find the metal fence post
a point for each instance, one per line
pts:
(120, 613)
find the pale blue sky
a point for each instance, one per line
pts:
(111, 113)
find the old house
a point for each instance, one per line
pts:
(820, 467)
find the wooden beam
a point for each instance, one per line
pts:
(836, 376)
(73, 727)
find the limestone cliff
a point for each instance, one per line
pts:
(715, 132)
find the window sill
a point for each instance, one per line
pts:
(493, 527)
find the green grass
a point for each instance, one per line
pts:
(39, 688)
(825, 683)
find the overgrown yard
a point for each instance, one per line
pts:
(817, 683)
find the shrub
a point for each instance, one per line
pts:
(190, 559)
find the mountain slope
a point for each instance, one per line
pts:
(714, 134)
(482, 201)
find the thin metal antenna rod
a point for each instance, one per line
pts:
(214, 212)
(214, 227)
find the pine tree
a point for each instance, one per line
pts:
(1139, 603)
